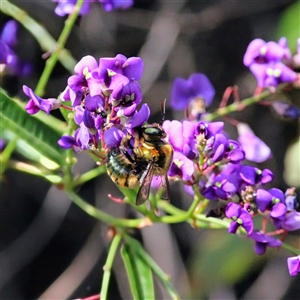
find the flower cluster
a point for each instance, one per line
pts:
(210, 162)
(270, 62)
(66, 7)
(105, 97)
(8, 58)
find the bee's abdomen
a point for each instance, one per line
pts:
(122, 171)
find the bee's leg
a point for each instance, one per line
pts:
(137, 140)
(125, 140)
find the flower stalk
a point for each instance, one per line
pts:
(238, 106)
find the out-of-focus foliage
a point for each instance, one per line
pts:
(289, 25)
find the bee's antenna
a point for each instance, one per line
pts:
(163, 110)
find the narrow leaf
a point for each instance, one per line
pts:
(131, 272)
(148, 260)
(34, 132)
(144, 273)
(145, 278)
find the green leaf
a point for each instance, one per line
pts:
(139, 273)
(37, 134)
(131, 272)
(289, 25)
(148, 260)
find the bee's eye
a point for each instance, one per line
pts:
(153, 131)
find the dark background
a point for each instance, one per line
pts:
(53, 250)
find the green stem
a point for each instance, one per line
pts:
(6, 154)
(46, 41)
(108, 265)
(291, 249)
(213, 223)
(177, 214)
(89, 175)
(102, 216)
(237, 106)
(200, 220)
(51, 62)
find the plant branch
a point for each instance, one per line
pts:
(237, 106)
(102, 216)
(46, 41)
(108, 265)
(51, 62)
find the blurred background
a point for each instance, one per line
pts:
(50, 249)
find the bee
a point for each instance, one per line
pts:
(137, 162)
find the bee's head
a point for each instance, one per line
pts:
(153, 132)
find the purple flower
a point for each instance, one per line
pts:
(131, 67)
(69, 95)
(9, 33)
(181, 166)
(66, 7)
(233, 152)
(127, 94)
(89, 122)
(94, 103)
(222, 187)
(294, 265)
(3, 144)
(205, 130)
(78, 116)
(113, 137)
(286, 110)
(262, 241)
(132, 118)
(67, 142)
(109, 5)
(287, 54)
(267, 62)
(182, 137)
(83, 71)
(240, 217)
(261, 52)
(4, 53)
(272, 74)
(272, 200)
(81, 140)
(215, 147)
(254, 176)
(219, 149)
(8, 40)
(255, 149)
(291, 222)
(291, 199)
(196, 88)
(36, 103)
(83, 137)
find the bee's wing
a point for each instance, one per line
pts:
(166, 186)
(143, 193)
